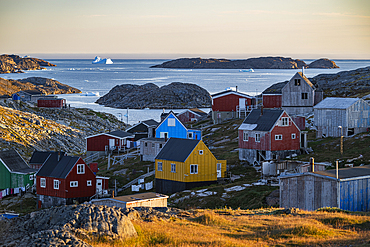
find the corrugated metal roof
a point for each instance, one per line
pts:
(336, 103)
(119, 133)
(150, 122)
(57, 169)
(14, 162)
(177, 149)
(39, 157)
(230, 92)
(351, 172)
(153, 139)
(264, 122)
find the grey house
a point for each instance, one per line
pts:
(143, 129)
(313, 190)
(299, 95)
(150, 147)
(352, 114)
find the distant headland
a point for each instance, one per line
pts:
(15, 64)
(250, 63)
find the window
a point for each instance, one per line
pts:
(304, 95)
(193, 169)
(43, 182)
(293, 136)
(171, 122)
(80, 169)
(218, 166)
(146, 144)
(89, 183)
(56, 184)
(73, 184)
(285, 121)
(31, 177)
(159, 166)
(190, 135)
(278, 137)
(200, 152)
(297, 82)
(152, 145)
(245, 136)
(258, 137)
(173, 167)
(160, 145)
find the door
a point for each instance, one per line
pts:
(111, 143)
(163, 135)
(99, 186)
(241, 103)
(219, 173)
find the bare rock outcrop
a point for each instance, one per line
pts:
(15, 64)
(66, 226)
(176, 95)
(323, 63)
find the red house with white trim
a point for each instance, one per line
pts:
(104, 142)
(191, 115)
(267, 134)
(64, 179)
(231, 104)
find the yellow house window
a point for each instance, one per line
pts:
(173, 167)
(193, 169)
(200, 152)
(159, 166)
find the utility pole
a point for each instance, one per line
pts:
(341, 140)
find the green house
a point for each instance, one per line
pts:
(14, 171)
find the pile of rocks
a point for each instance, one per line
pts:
(66, 225)
(176, 95)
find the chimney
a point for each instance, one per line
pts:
(261, 110)
(236, 88)
(312, 164)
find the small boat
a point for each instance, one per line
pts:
(246, 70)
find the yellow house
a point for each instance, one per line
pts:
(184, 164)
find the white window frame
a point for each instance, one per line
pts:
(190, 135)
(173, 167)
(73, 184)
(194, 167)
(245, 136)
(56, 184)
(159, 166)
(80, 170)
(89, 183)
(258, 137)
(43, 182)
(279, 137)
(284, 121)
(293, 136)
(201, 152)
(31, 177)
(171, 122)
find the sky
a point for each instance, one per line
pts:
(236, 29)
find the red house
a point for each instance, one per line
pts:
(231, 104)
(104, 142)
(64, 179)
(51, 102)
(191, 115)
(268, 134)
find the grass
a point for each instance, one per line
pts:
(250, 228)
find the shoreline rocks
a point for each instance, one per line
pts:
(15, 64)
(176, 95)
(250, 63)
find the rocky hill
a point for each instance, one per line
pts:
(42, 85)
(15, 64)
(26, 128)
(254, 63)
(175, 95)
(353, 83)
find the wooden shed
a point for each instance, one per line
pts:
(148, 199)
(313, 190)
(51, 102)
(352, 114)
(184, 164)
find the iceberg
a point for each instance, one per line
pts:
(90, 94)
(98, 60)
(246, 70)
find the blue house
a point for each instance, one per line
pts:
(171, 126)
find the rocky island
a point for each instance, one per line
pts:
(176, 95)
(43, 85)
(254, 63)
(352, 83)
(15, 64)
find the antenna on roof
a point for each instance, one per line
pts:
(302, 70)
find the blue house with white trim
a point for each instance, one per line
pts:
(171, 126)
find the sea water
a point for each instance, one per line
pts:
(100, 78)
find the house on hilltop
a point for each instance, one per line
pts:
(191, 115)
(351, 114)
(171, 126)
(15, 174)
(268, 134)
(64, 179)
(231, 104)
(106, 142)
(184, 164)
